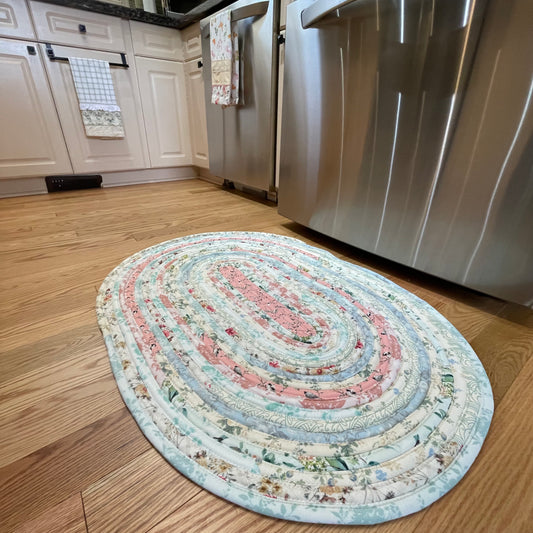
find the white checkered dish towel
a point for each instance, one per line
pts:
(100, 112)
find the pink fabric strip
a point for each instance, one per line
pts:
(269, 305)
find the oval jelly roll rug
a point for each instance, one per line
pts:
(290, 382)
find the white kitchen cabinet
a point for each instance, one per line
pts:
(156, 41)
(93, 154)
(161, 98)
(195, 93)
(31, 142)
(164, 101)
(15, 20)
(74, 27)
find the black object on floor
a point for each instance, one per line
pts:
(71, 183)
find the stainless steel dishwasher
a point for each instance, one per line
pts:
(241, 138)
(405, 131)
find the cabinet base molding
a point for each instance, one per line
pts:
(31, 186)
(22, 187)
(150, 175)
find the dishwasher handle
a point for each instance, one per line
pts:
(257, 9)
(318, 10)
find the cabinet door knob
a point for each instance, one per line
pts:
(200, 64)
(31, 50)
(82, 28)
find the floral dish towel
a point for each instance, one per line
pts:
(224, 60)
(96, 95)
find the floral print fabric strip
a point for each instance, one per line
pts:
(290, 382)
(225, 61)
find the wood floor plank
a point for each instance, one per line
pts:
(496, 495)
(504, 348)
(191, 224)
(43, 247)
(11, 207)
(23, 334)
(32, 311)
(40, 287)
(517, 314)
(31, 241)
(52, 474)
(469, 321)
(229, 223)
(65, 255)
(42, 352)
(43, 285)
(35, 387)
(145, 490)
(65, 517)
(40, 424)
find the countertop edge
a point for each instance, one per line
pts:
(177, 21)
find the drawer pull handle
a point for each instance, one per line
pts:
(82, 28)
(52, 57)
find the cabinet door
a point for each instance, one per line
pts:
(90, 154)
(164, 102)
(195, 93)
(31, 142)
(15, 20)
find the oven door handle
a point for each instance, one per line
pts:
(318, 10)
(257, 9)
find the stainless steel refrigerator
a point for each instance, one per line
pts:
(407, 131)
(241, 138)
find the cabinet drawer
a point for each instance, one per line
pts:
(15, 20)
(156, 41)
(64, 25)
(192, 42)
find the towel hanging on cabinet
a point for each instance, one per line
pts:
(100, 112)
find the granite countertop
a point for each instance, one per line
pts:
(177, 20)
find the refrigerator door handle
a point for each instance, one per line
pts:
(257, 9)
(317, 11)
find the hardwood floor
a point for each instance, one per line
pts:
(71, 457)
